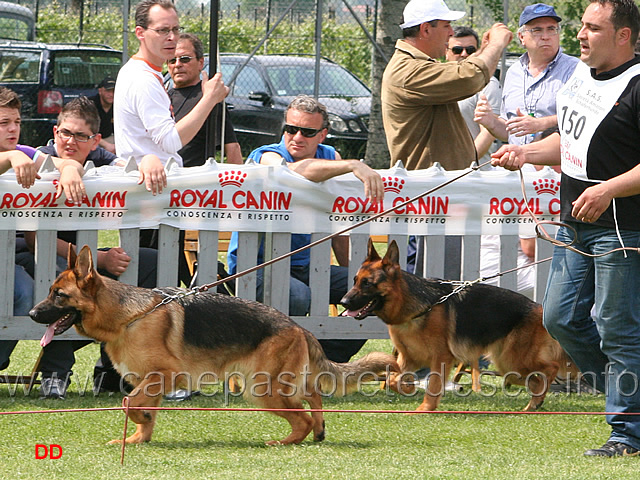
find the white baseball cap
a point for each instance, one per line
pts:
(420, 11)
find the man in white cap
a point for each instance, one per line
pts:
(422, 121)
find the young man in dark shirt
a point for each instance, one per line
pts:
(104, 103)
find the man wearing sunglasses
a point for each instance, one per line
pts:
(464, 43)
(306, 126)
(185, 69)
(143, 122)
(420, 95)
(530, 86)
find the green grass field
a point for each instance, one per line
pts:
(215, 444)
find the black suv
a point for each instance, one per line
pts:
(267, 84)
(46, 76)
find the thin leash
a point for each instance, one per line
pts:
(542, 233)
(461, 285)
(203, 288)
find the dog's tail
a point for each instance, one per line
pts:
(341, 378)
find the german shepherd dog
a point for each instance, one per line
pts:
(479, 320)
(159, 344)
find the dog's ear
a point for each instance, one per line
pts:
(71, 256)
(392, 256)
(372, 254)
(83, 267)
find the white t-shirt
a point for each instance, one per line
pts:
(490, 259)
(490, 264)
(142, 119)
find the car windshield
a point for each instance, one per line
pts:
(84, 68)
(299, 79)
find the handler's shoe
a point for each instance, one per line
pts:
(52, 387)
(613, 449)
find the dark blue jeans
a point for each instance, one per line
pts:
(605, 346)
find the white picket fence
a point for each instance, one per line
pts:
(276, 290)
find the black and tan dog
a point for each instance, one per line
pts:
(479, 320)
(159, 344)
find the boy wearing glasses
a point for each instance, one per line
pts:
(530, 86)
(306, 126)
(143, 122)
(76, 137)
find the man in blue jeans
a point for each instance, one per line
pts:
(597, 148)
(306, 126)
(22, 303)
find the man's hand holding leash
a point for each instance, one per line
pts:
(544, 152)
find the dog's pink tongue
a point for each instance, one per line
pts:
(349, 313)
(48, 335)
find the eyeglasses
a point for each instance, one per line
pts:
(457, 50)
(166, 31)
(80, 137)
(306, 132)
(539, 32)
(183, 59)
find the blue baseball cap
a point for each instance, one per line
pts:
(538, 10)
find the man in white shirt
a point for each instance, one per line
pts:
(143, 123)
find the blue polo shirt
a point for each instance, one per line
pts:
(534, 95)
(298, 240)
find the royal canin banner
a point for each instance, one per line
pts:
(262, 198)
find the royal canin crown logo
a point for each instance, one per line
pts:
(546, 185)
(393, 184)
(231, 177)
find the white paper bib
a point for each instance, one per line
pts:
(582, 104)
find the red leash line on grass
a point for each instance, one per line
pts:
(65, 410)
(125, 405)
(126, 408)
(310, 410)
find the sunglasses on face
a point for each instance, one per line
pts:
(457, 50)
(305, 132)
(183, 59)
(80, 137)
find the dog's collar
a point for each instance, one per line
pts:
(424, 311)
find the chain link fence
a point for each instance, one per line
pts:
(283, 28)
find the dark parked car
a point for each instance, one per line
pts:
(47, 76)
(267, 84)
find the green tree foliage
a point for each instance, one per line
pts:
(496, 8)
(343, 43)
(571, 12)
